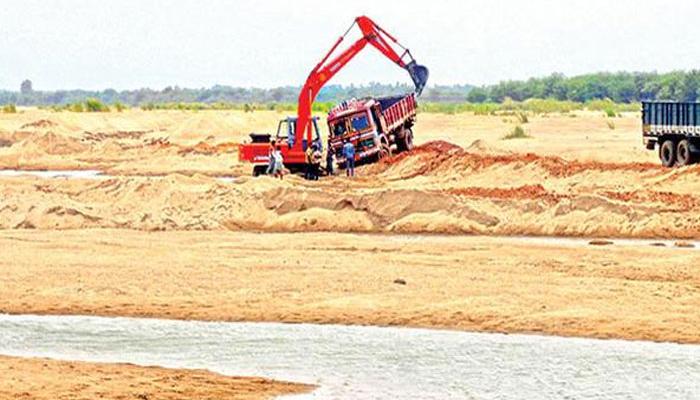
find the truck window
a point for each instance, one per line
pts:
(339, 128)
(360, 123)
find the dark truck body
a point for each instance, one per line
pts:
(377, 127)
(673, 128)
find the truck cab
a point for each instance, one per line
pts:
(377, 127)
(360, 126)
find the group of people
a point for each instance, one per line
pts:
(313, 159)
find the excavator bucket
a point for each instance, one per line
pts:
(419, 74)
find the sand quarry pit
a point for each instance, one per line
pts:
(164, 164)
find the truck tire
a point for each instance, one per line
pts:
(667, 153)
(384, 152)
(405, 142)
(683, 154)
(384, 149)
(259, 170)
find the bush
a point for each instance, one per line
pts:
(76, 107)
(9, 109)
(522, 117)
(517, 133)
(119, 106)
(94, 105)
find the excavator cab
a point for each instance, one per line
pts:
(286, 130)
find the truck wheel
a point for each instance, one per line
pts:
(384, 152)
(667, 153)
(683, 154)
(259, 170)
(405, 143)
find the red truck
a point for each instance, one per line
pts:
(377, 127)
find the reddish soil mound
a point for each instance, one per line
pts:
(441, 155)
(527, 192)
(681, 202)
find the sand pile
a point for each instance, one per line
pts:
(438, 187)
(486, 197)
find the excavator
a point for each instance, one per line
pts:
(294, 134)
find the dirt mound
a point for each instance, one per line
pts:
(209, 149)
(446, 159)
(100, 136)
(42, 123)
(51, 143)
(482, 147)
(531, 192)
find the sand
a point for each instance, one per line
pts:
(576, 177)
(162, 142)
(162, 237)
(453, 282)
(437, 188)
(41, 379)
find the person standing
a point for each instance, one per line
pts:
(308, 154)
(278, 164)
(330, 160)
(316, 158)
(349, 154)
(271, 157)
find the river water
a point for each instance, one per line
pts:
(349, 362)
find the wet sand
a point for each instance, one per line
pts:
(463, 283)
(40, 379)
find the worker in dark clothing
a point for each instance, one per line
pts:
(330, 161)
(349, 154)
(308, 165)
(316, 158)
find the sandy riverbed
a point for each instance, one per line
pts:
(465, 283)
(162, 238)
(41, 379)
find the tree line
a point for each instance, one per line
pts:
(28, 96)
(620, 87)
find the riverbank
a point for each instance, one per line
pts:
(39, 379)
(462, 283)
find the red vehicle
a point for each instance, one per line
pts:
(376, 127)
(294, 134)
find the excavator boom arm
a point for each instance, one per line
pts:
(325, 70)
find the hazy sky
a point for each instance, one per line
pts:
(126, 44)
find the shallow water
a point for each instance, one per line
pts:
(369, 362)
